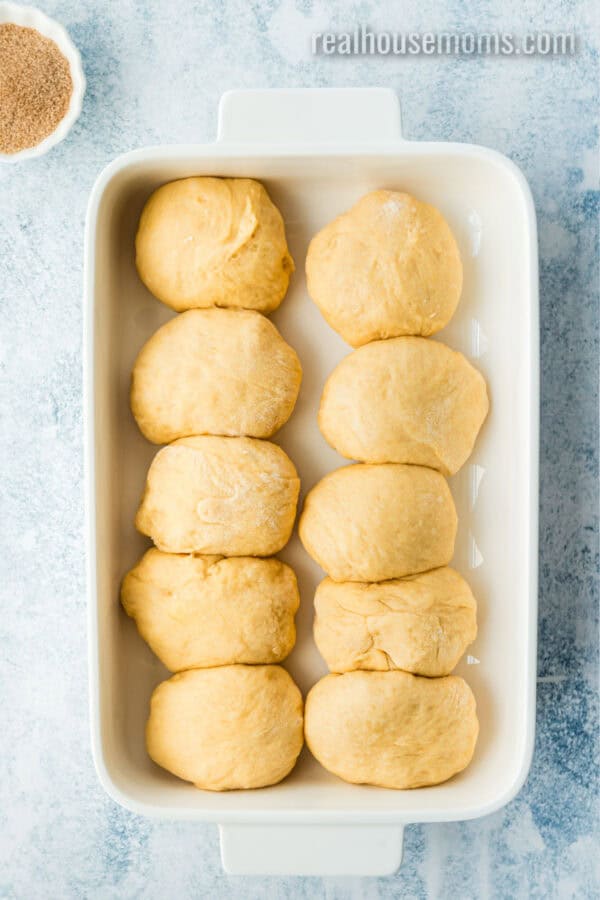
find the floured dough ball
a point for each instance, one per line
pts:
(389, 266)
(373, 523)
(214, 371)
(213, 242)
(229, 496)
(199, 611)
(406, 400)
(226, 728)
(391, 729)
(420, 623)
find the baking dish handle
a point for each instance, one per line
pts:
(311, 849)
(310, 115)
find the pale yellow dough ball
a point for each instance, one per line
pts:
(214, 371)
(374, 523)
(228, 728)
(391, 729)
(213, 242)
(200, 611)
(420, 623)
(220, 495)
(387, 267)
(405, 400)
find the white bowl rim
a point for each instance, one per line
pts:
(31, 17)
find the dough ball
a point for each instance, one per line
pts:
(214, 371)
(373, 523)
(420, 623)
(229, 496)
(213, 242)
(406, 400)
(391, 729)
(201, 611)
(388, 266)
(226, 728)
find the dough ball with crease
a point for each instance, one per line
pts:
(374, 523)
(200, 611)
(391, 729)
(229, 728)
(214, 371)
(406, 400)
(232, 496)
(213, 242)
(421, 623)
(389, 266)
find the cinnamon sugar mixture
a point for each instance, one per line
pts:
(35, 87)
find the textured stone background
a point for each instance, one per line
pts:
(155, 73)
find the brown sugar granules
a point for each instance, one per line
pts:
(35, 87)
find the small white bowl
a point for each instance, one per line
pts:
(29, 17)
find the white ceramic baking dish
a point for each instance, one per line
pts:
(317, 151)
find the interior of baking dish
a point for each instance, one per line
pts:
(488, 207)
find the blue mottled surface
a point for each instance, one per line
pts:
(155, 73)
